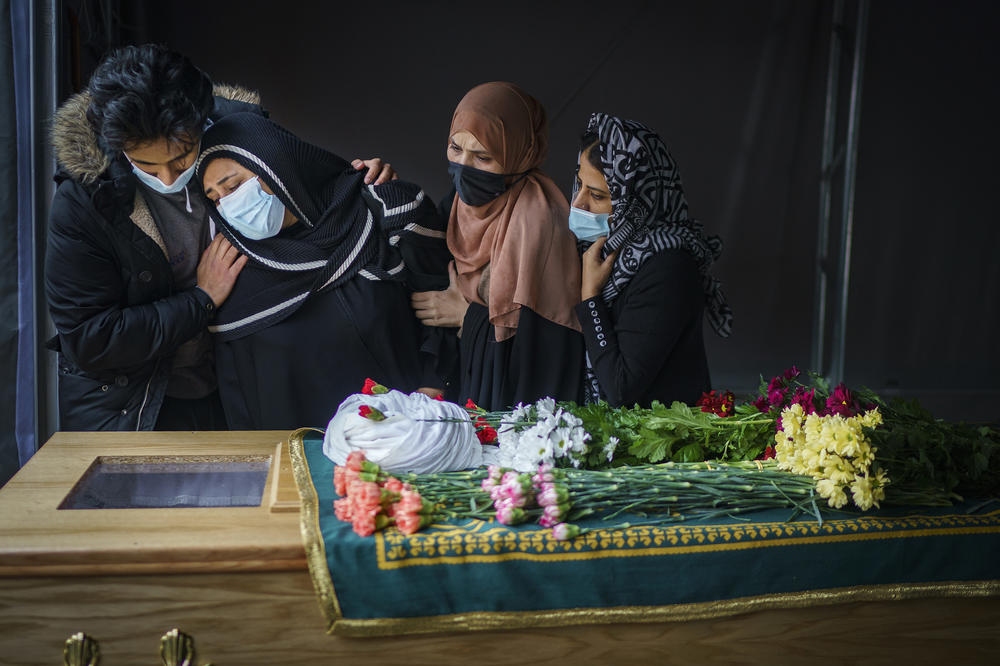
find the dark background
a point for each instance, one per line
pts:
(737, 91)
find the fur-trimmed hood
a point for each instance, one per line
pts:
(75, 144)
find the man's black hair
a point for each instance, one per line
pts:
(144, 93)
(588, 140)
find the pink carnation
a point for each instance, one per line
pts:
(553, 514)
(354, 460)
(408, 523)
(340, 480)
(363, 523)
(565, 531)
(366, 494)
(553, 494)
(510, 515)
(511, 500)
(342, 509)
(410, 501)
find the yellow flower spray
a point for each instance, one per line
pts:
(835, 452)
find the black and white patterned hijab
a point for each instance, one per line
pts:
(649, 211)
(346, 229)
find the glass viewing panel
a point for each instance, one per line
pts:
(166, 482)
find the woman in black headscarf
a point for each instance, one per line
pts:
(645, 277)
(321, 303)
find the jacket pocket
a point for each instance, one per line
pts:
(96, 403)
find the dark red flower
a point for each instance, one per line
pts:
(486, 435)
(768, 453)
(717, 403)
(805, 398)
(842, 402)
(762, 404)
(791, 373)
(777, 397)
(706, 401)
(728, 403)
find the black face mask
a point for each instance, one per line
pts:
(475, 186)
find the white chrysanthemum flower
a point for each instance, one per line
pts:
(518, 413)
(507, 435)
(609, 448)
(545, 407)
(544, 449)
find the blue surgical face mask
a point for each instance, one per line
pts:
(588, 226)
(158, 185)
(251, 211)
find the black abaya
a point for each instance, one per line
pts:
(543, 359)
(296, 372)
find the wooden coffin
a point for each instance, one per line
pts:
(235, 581)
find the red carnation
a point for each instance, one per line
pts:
(371, 413)
(487, 435)
(372, 387)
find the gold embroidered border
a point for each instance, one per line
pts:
(486, 621)
(480, 542)
(312, 535)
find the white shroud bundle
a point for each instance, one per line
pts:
(419, 434)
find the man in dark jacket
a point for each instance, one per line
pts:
(131, 277)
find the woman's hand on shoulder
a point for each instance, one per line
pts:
(379, 172)
(218, 269)
(596, 271)
(441, 308)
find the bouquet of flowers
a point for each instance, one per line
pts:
(929, 461)
(839, 444)
(835, 451)
(541, 433)
(652, 494)
(373, 500)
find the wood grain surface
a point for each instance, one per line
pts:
(37, 538)
(273, 618)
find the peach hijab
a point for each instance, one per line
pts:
(523, 235)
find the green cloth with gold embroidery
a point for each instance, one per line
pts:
(478, 575)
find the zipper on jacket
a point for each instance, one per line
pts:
(145, 397)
